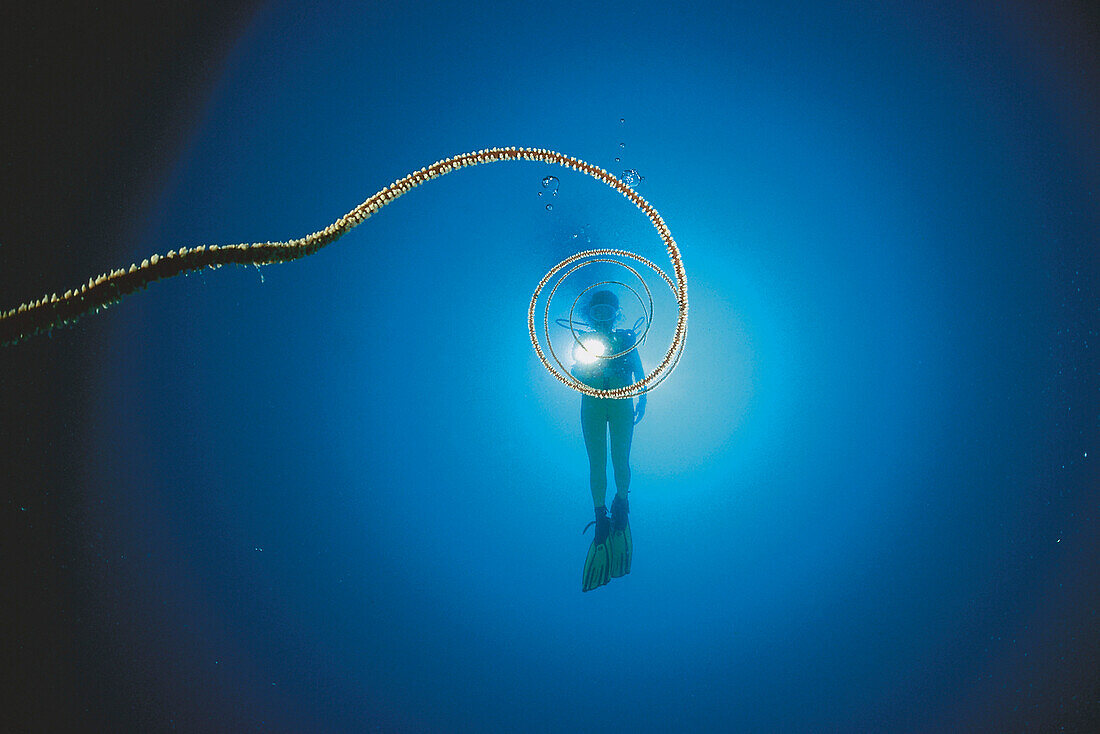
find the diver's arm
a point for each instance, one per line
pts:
(638, 373)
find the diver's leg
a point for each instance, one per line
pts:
(621, 549)
(594, 428)
(622, 432)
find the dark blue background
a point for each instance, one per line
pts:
(343, 495)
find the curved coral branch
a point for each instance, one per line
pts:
(56, 310)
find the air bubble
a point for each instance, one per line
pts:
(631, 177)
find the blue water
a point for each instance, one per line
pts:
(342, 494)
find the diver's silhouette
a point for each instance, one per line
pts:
(610, 554)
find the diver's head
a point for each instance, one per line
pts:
(602, 310)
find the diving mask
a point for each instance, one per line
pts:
(601, 312)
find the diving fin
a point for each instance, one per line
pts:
(597, 565)
(620, 542)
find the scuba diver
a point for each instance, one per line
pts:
(612, 547)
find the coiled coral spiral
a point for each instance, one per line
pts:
(55, 310)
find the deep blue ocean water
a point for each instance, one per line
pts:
(343, 495)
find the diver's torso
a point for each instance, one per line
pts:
(609, 374)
